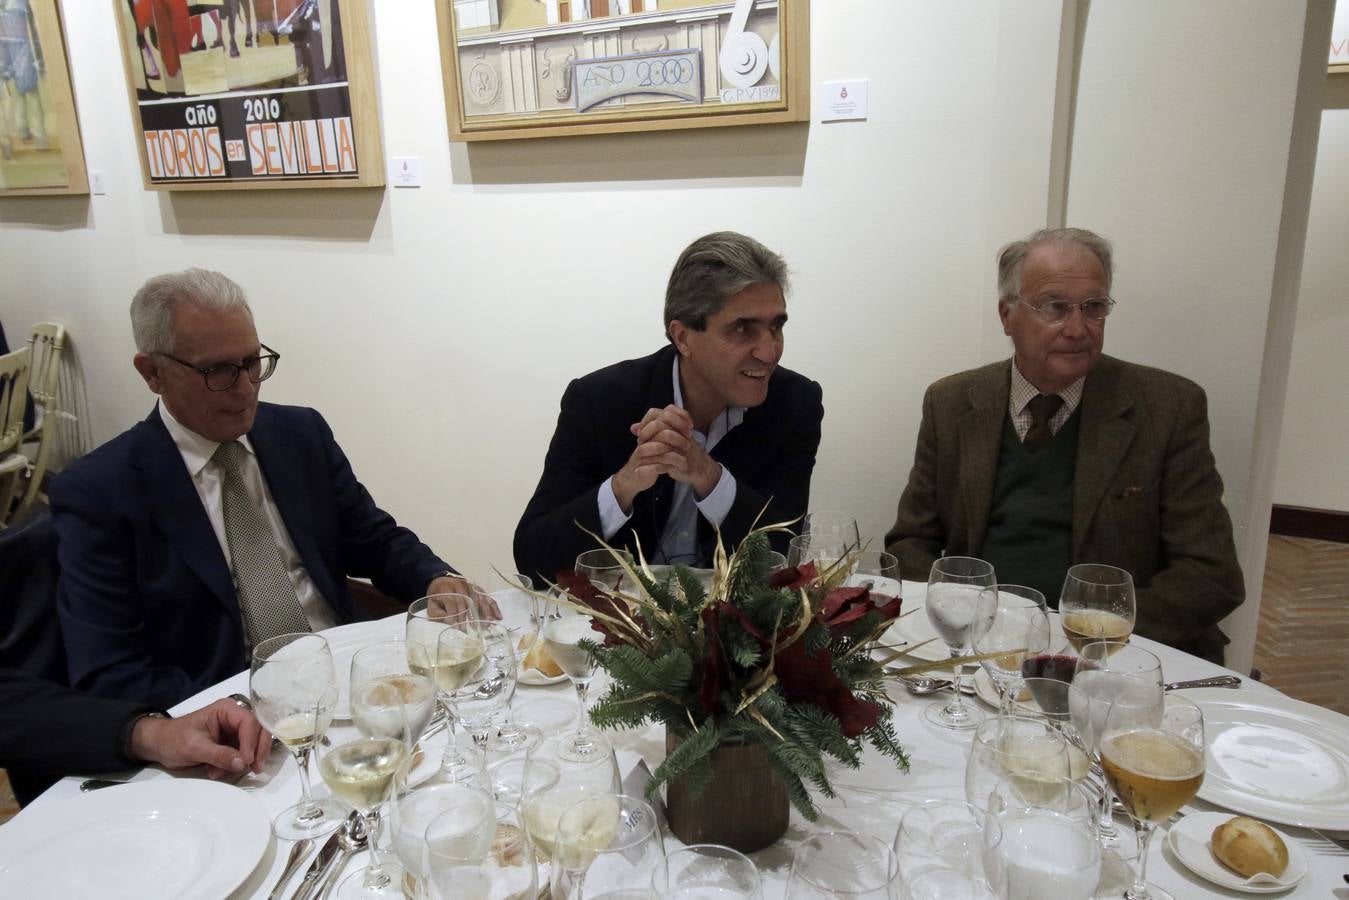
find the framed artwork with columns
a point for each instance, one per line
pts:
(554, 68)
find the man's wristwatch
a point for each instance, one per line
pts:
(130, 727)
(242, 701)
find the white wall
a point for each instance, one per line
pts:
(437, 327)
(1314, 455)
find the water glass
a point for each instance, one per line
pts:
(707, 870)
(605, 567)
(960, 612)
(466, 809)
(462, 866)
(1047, 846)
(843, 864)
(941, 847)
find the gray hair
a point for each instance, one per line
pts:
(152, 307)
(715, 268)
(1013, 256)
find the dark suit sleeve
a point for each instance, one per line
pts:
(1198, 581)
(102, 616)
(548, 539)
(918, 536)
(782, 494)
(49, 728)
(373, 545)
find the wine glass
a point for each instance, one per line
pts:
(604, 566)
(466, 867)
(1020, 630)
(833, 526)
(1090, 697)
(294, 690)
(605, 843)
(1153, 757)
(486, 693)
(510, 735)
(427, 618)
(1097, 604)
(941, 847)
(387, 698)
(467, 809)
(362, 772)
(563, 636)
(776, 561)
(707, 870)
(960, 612)
(878, 571)
(1047, 844)
(1029, 754)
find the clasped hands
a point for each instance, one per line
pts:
(665, 446)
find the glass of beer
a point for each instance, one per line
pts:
(1097, 604)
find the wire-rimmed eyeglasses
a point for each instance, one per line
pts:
(221, 376)
(1056, 311)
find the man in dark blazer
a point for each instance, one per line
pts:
(707, 435)
(1113, 466)
(218, 521)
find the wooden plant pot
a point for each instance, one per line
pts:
(744, 806)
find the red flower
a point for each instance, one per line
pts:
(709, 692)
(844, 605)
(793, 577)
(583, 591)
(810, 678)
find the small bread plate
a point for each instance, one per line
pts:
(535, 678)
(1190, 839)
(168, 837)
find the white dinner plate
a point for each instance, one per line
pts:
(345, 640)
(1191, 840)
(1275, 758)
(914, 627)
(180, 837)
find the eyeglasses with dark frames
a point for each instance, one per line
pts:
(222, 376)
(1056, 311)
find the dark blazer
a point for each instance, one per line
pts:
(147, 603)
(1146, 494)
(771, 453)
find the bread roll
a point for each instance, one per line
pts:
(538, 657)
(1249, 847)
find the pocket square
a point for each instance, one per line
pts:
(1132, 490)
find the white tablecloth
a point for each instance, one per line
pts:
(871, 799)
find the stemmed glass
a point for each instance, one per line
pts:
(427, 619)
(1047, 844)
(942, 846)
(462, 866)
(605, 843)
(362, 773)
(465, 811)
(1020, 630)
(1097, 604)
(486, 693)
(511, 736)
(294, 690)
(1028, 754)
(603, 566)
(960, 612)
(833, 526)
(563, 636)
(878, 571)
(1153, 756)
(707, 870)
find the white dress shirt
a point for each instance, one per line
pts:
(679, 541)
(206, 478)
(1023, 392)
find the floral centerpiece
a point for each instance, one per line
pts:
(775, 661)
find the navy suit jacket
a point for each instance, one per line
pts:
(146, 600)
(771, 453)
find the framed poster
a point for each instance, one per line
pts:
(234, 94)
(546, 68)
(40, 150)
(1339, 39)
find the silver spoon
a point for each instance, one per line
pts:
(297, 857)
(918, 685)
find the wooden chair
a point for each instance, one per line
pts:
(46, 344)
(14, 369)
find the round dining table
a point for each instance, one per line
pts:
(870, 799)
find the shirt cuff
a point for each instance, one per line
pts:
(716, 506)
(612, 516)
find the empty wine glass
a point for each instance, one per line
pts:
(1029, 754)
(1097, 604)
(834, 525)
(427, 619)
(941, 847)
(294, 689)
(462, 866)
(485, 694)
(960, 612)
(1020, 630)
(604, 566)
(1153, 757)
(563, 636)
(707, 870)
(878, 571)
(605, 843)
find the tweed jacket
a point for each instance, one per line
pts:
(1146, 494)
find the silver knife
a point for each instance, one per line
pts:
(1215, 681)
(312, 876)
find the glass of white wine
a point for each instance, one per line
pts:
(960, 612)
(563, 636)
(294, 690)
(605, 843)
(427, 619)
(1028, 754)
(843, 864)
(362, 772)
(1153, 757)
(1097, 603)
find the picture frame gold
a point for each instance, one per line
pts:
(606, 66)
(289, 101)
(40, 148)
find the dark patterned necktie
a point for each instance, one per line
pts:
(1042, 409)
(266, 595)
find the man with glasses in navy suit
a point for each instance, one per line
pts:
(218, 521)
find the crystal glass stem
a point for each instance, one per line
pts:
(1143, 831)
(307, 810)
(583, 742)
(375, 876)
